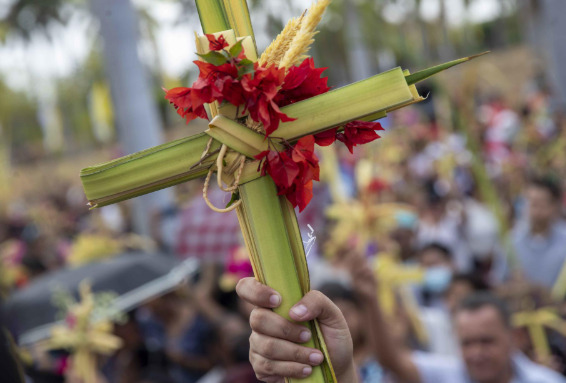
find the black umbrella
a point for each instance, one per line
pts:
(133, 277)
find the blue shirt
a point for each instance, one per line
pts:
(541, 257)
(370, 372)
(440, 369)
(193, 342)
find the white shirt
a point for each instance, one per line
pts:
(441, 369)
(441, 337)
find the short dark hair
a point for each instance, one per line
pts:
(337, 291)
(437, 246)
(475, 280)
(550, 185)
(480, 300)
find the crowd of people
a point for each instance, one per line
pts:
(475, 214)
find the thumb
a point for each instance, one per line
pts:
(317, 305)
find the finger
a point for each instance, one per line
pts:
(270, 370)
(257, 293)
(316, 305)
(266, 322)
(285, 351)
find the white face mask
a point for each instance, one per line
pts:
(437, 279)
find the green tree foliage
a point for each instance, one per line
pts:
(18, 118)
(27, 16)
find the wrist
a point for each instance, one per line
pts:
(349, 375)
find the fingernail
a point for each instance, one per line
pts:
(315, 358)
(299, 310)
(304, 336)
(307, 371)
(275, 300)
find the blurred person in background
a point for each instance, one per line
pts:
(501, 126)
(440, 224)
(216, 298)
(403, 235)
(481, 321)
(539, 239)
(129, 363)
(482, 324)
(437, 321)
(353, 310)
(178, 338)
(436, 260)
(483, 331)
(481, 231)
(10, 368)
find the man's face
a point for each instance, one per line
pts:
(486, 344)
(542, 208)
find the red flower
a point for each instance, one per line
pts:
(216, 44)
(303, 154)
(281, 167)
(229, 76)
(326, 138)
(215, 83)
(183, 100)
(302, 82)
(301, 195)
(293, 171)
(219, 83)
(231, 91)
(261, 90)
(359, 132)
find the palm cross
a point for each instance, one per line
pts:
(267, 220)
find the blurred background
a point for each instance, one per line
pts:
(468, 181)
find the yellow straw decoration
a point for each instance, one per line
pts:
(535, 322)
(305, 37)
(85, 339)
(274, 53)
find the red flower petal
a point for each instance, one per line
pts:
(304, 151)
(326, 138)
(281, 168)
(293, 171)
(301, 195)
(216, 44)
(179, 97)
(349, 144)
(192, 114)
(303, 154)
(309, 172)
(302, 82)
(232, 91)
(359, 133)
(182, 99)
(260, 92)
(205, 68)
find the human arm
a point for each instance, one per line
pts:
(190, 362)
(391, 354)
(188, 324)
(275, 344)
